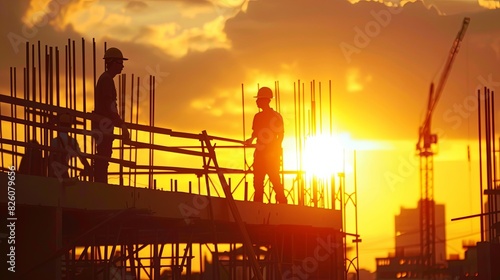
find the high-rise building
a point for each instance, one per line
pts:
(407, 232)
(407, 261)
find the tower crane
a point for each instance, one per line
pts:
(425, 150)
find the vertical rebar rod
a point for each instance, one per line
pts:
(303, 124)
(74, 94)
(303, 132)
(278, 109)
(40, 92)
(84, 93)
(330, 105)
(122, 111)
(49, 75)
(37, 118)
(73, 53)
(66, 82)
(14, 114)
(70, 85)
(94, 75)
(313, 108)
(26, 91)
(295, 124)
(57, 82)
(131, 121)
(494, 170)
(31, 117)
(295, 112)
(320, 110)
(12, 81)
(150, 175)
(488, 154)
(315, 187)
(494, 200)
(58, 93)
(479, 125)
(137, 121)
(153, 85)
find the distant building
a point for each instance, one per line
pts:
(408, 233)
(407, 262)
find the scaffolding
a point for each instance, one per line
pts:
(134, 243)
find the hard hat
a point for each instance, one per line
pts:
(67, 119)
(114, 53)
(264, 92)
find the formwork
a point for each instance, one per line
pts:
(193, 228)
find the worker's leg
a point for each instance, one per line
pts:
(273, 167)
(259, 174)
(103, 149)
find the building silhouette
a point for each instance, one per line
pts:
(407, 261)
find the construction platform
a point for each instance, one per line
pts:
(61, 229)
(53, 220)
(80, 229)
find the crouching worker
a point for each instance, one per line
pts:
(67, 148)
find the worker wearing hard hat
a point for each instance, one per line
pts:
(68, 148)
(105, 106)
(268, 130)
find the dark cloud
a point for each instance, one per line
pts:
(136, 6)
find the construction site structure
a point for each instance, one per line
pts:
(78, 229)
(426, 151)
(486, 252)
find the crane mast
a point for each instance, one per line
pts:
(425, 150)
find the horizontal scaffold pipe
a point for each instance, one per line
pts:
(165, 148)
(126, 163)
(49, 125)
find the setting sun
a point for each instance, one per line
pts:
(324, 155)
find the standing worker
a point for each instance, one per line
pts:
(105, 106)
(268, 129)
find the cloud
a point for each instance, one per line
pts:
(173, 26)
(208, 56)
(136, 6)
(490, 4)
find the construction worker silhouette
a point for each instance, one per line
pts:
(268, 130)
(67, 148)
(32, 160)
(105, 106)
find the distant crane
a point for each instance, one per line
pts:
(426, 152)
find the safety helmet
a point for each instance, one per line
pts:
(67, 119)
(114, 53)
(264, 92)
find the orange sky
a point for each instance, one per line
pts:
(380, 60)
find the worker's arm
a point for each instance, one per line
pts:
(125, 132)
(87, 169)
(249, 141)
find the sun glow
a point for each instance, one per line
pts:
(323, 155)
